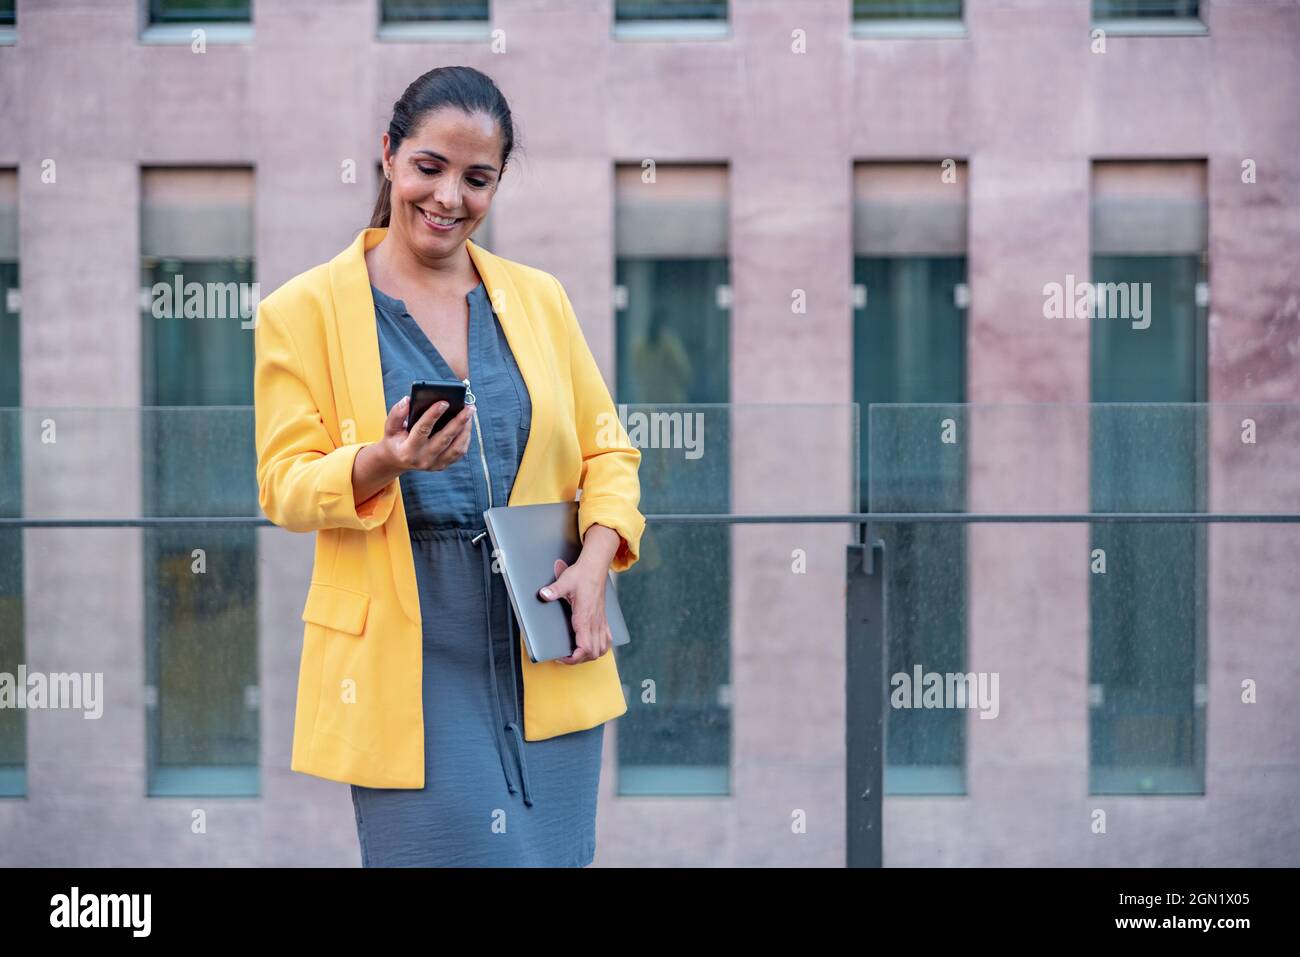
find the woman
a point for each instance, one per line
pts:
(414, 687)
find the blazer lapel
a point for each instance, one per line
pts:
(522, 334)
(354, 318)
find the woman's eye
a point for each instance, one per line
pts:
(430, 171)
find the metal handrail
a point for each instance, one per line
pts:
(714, 518)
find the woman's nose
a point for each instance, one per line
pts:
(448, 194)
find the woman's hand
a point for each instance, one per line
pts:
(420, 448)
(582, 584)
(377, 464)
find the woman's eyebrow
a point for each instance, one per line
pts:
(442, 159)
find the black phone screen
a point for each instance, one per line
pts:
(426, 393)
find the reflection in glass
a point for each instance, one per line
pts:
(200, 581)
(906, 9)
(1148, 609)
(13, 728)
(409, 11)
(670, 9)
(674, 347)
(1148, 345)
(910, 347)
(200, 11)
(1160, 9)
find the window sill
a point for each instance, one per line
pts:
(13, 781)
(1155, 781)
(913, 29)
(1141, 27)
(177, 34)
(436, 31)
(214, 781)
(672, 30)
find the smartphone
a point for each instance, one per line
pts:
(424, 393)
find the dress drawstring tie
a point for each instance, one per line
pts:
(502, 725)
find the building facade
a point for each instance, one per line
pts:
(842, 239)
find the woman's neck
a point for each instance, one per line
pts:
(391, 263)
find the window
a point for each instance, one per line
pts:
(13, 727)
(670, 10)
(913, 9)
(673, 340)
(178, 21)
(1170, 9)
(412, 11)
(434, 20)
(670, 19)
(1147, 639)
(908, 18)
(198, 459)
(1148, 16)
(200, 11)
(909, 346)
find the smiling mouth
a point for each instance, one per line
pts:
(439, 222)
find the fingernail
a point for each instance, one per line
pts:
(547, 593)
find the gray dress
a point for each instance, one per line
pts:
(491, 799)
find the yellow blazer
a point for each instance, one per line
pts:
(318, 392)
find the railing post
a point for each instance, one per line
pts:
(864, 678)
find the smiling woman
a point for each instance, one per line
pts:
(414, 686)
(422, 184)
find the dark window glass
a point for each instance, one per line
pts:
(1162, 9)
(13, 738)
(1147, 686)
(408, 11)
(200, 11)
(673, 344)
(1147, 611)
(906, 9)
(200, 581)
(909, 342)
(670, 10)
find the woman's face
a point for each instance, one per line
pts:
(445, 169)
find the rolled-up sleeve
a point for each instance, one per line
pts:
(304, 479)
(611, 488)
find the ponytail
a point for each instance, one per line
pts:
(383, 206)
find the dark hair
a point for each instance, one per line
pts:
(462, 87)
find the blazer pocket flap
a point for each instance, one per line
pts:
(336, 607)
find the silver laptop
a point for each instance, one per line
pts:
(526, 541)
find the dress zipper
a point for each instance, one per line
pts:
(478, 429)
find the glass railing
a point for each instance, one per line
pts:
(187, 601)
(920, 634)
(1080, 606)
